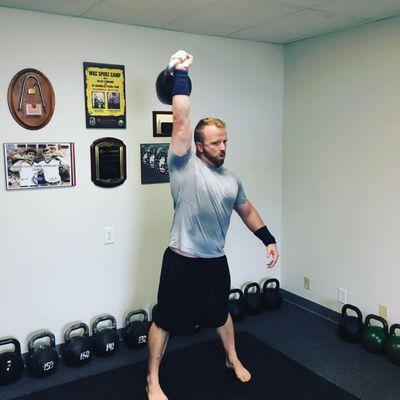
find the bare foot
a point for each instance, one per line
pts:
(241, 372)
(154, 392)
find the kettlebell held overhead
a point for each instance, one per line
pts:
(165, 82)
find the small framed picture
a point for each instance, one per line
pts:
(39, 165)
(162, 123)
(153, 160)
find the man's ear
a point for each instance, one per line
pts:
(199, 146)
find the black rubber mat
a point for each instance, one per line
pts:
(198, 372)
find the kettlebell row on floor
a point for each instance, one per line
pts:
(377, 339)
(78, 348)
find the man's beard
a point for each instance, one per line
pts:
(216, 161)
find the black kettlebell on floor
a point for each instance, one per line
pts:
(11, 364)
(374, 337)
(236, 307)
(135, 333)
(350, 327)
(393, 345)
(253, 300)
(272, 297)
(165, 83)
(105, 339)
(78, 349)
(42, 358)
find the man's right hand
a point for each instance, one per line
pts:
(183, 58)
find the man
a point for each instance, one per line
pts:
(50, 166)
(26, 167)
(195, 281)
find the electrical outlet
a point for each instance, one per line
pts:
(383, 311)
(342, 296)
(109, 235)
(306, 281)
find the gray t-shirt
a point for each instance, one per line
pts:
(204, 198)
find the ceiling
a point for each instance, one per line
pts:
(272, 21)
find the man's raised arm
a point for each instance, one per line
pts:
(182, 133)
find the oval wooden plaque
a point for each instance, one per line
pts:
(31, 99)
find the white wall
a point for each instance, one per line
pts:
(55, 268)
(341, 163)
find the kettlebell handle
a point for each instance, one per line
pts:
(171, 67)
(238, 291)
(74, 327)
(136, 312)
(41, 335)
(15, 342)
(101, 319)
(353, 308)
(272, 280)
(393, 329)
(377, 318)
(251, 285)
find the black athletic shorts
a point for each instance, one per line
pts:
(192, 292)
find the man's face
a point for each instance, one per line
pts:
(30, 156)
(47, 155)
(214, 147)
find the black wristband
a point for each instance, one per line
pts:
(181, 83)
(265, 236)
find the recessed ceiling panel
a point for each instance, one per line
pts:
(369, 9)
(226, 16)
(144, 12)
(296, 26)
(66, 7)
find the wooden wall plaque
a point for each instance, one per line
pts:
(31, 99)
(108, 159)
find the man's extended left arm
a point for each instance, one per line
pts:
(254, 222)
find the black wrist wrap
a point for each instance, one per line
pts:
(265, 236)
(181, 83)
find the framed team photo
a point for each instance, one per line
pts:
(39, 165)
(154, 165)
(162, 123)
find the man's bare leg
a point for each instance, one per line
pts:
(157, 343)
(227, 335)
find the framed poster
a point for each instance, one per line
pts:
(108, 158)
(105, 103)
(39, 165)
(154, 165)
(162, 123)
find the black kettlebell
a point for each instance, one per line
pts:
(272, 297)
(253, 300)
(11, 364)
(165, 83)
(393, 345)
(374, 337)
(77, 350)
(135, 333)
(42, 358)
(350, 327)
(236, 306)
(105, 339)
